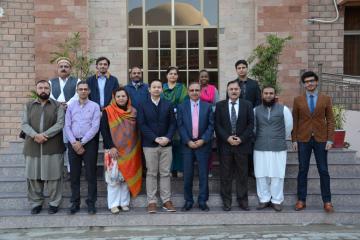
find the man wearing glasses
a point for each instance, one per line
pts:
(313, 130)
(196, 127)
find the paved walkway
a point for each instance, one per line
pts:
(311, 232)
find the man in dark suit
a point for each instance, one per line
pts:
(196, 127)
(250, 91)
(157, 124)
(234, 123)
(313, 130)
(102, 84)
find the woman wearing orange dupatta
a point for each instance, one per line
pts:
(122, 141)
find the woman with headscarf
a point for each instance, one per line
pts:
(122, 160)
(176, 93)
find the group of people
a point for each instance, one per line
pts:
(165, 129)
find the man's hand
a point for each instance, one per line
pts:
(40, 138)
(64, 105)
(164, 141)
(328, 146)
(192, 145)
(234, 140)
(199, 143)
(78, 148)
(295, 146)
(114, 153)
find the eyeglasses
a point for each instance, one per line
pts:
(64, 66)
(83, 89)
(194, 90)
(309, 81)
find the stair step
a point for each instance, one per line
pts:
(351, 184)
(139, 217)
(13, 201)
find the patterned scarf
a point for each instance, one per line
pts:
(125, 136)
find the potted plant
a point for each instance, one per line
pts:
(339, 118)
(264, 60)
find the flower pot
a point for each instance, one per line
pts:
(339, 138)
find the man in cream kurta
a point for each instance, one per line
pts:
(273, 123)
(42, 123)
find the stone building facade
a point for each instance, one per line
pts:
(31, 29)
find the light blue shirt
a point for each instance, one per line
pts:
(315, 94)
(101, 85)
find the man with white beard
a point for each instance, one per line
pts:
(273, 123)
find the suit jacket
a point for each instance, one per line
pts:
(110, 85)
(252, 92)
(206, 123)
(156, 121)
(320, 123)
(244, 126)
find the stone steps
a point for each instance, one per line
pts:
(139, 217)
(18, 201)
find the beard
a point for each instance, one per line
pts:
(268, 103)
(43, 96)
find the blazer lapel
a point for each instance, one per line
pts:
(304, 101)
(318, 103)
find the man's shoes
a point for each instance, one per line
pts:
(244, 206)
(187, 206)
(74, 209)
(263, 205)
(276, 207)
(125, 208)
(300, 205)
(328, 207)
(226, 208)
(204, 207)
(169, 207)
(53, 209)
(36, 210)
(91, 209)
(114, 210)
(151, 208)
(180, 174)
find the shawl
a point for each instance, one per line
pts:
(126, 139)
(175, 95)
(208, 93)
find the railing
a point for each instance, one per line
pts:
(344, 89)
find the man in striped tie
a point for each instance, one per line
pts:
(196, 127)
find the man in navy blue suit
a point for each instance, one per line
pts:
(102, 84)
(196, 127)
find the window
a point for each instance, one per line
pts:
(352, 40)
(182, 33)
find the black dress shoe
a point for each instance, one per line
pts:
(263, 205)
(91, 209)
(204, 207)
(74, 209)
(187, 206)
(53, 209)
(244, 206)
(226, 208)
(36, 210)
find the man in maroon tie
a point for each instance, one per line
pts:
(196, 126)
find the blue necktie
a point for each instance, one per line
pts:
(233, 118)
(312, 103)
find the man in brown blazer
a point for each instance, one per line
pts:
(313, 131)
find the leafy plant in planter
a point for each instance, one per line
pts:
(340, 119)
(73, 50)
(265, 59)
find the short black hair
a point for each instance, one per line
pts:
(42, 81)
(193, 82)
(203, 70)
(102, 58)
(309, 74)
(132, 68)
(172, 68)
(231, 82)
(241, 61)
(82, 82)
(155, 80)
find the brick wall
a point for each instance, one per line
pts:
(108, 34)
(54, 22)
(16, 64)
(284, 18)
(326, 41)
